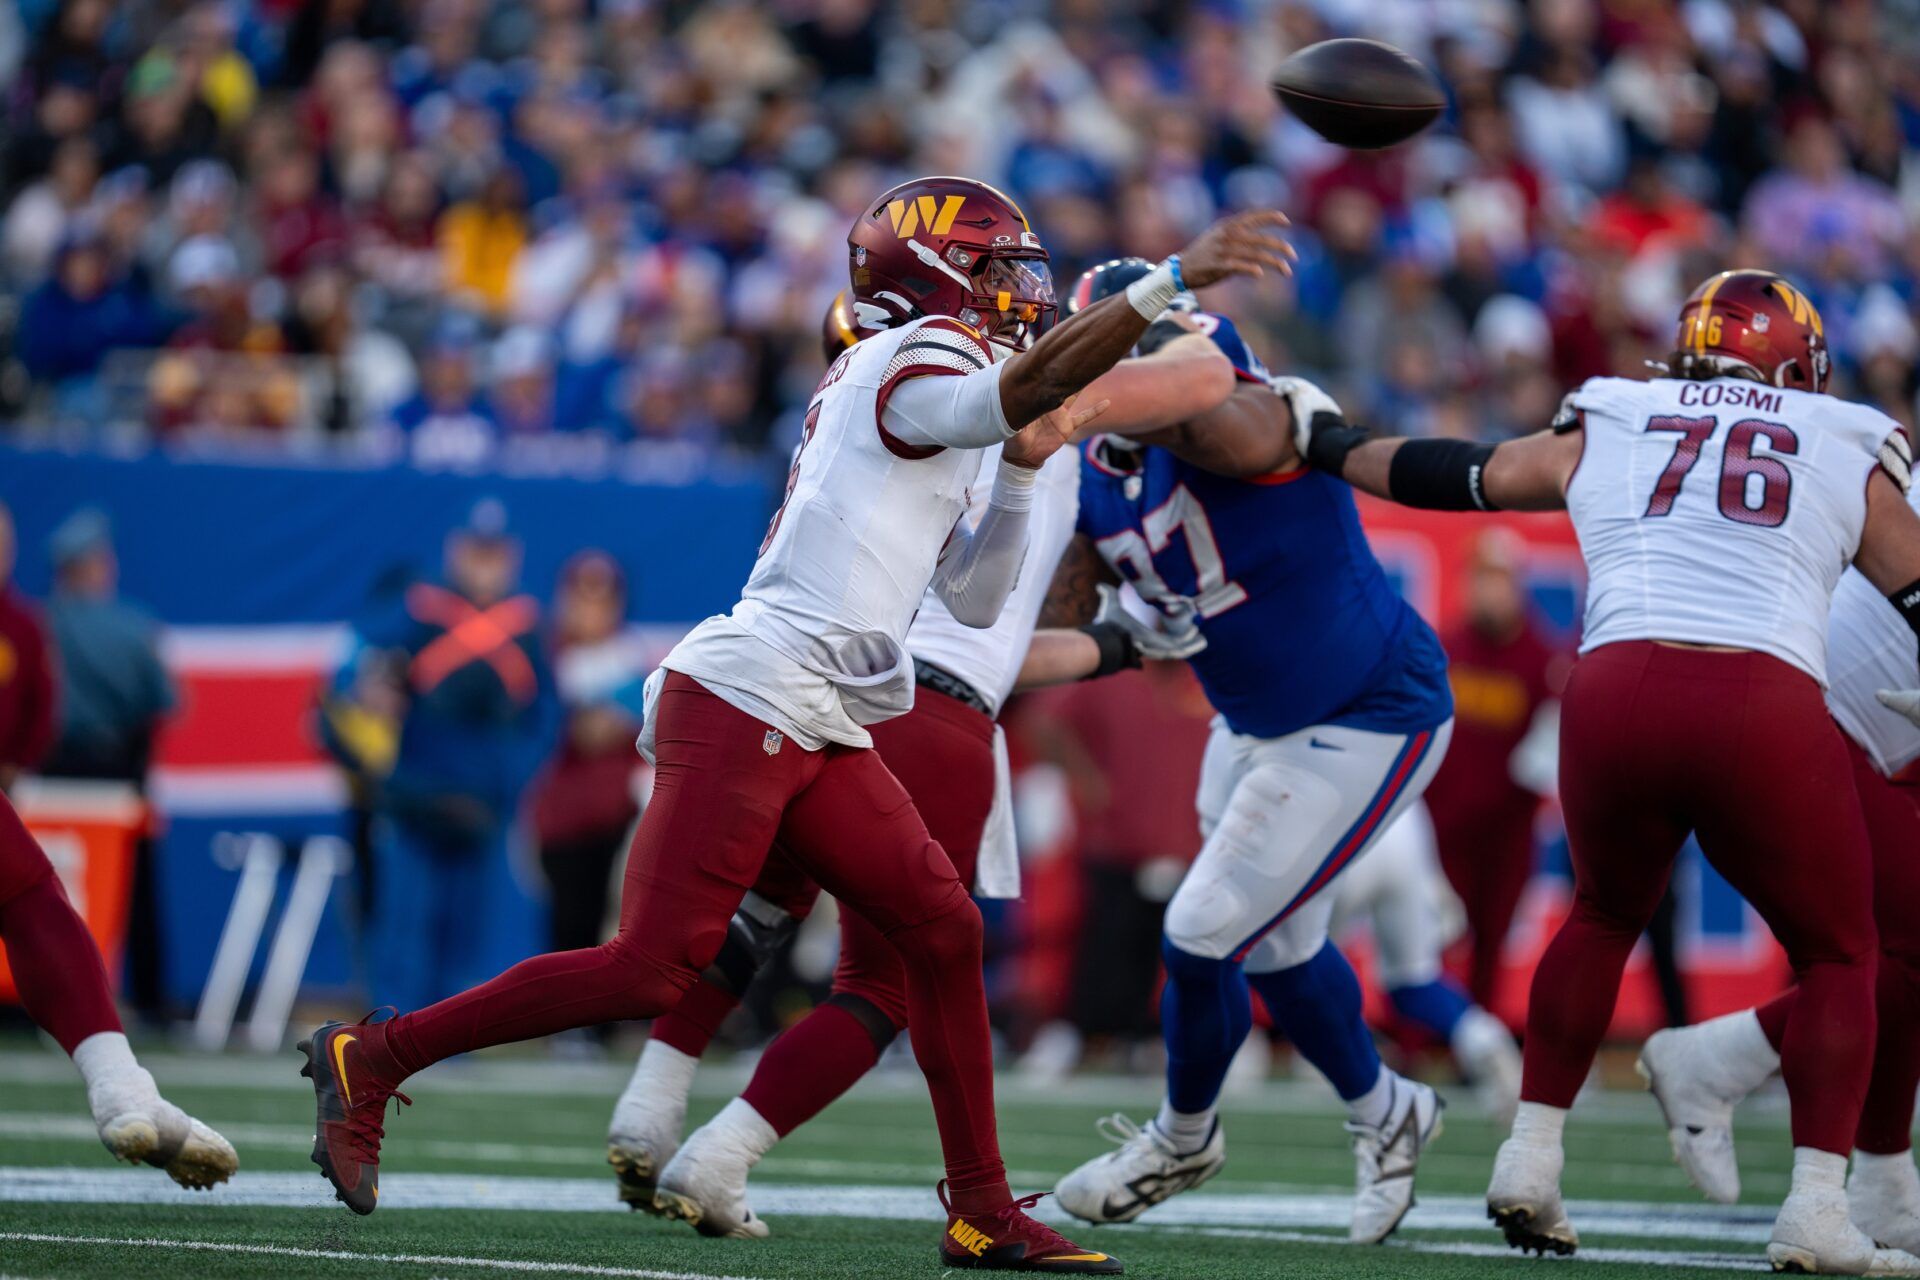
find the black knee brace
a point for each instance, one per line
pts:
(878, 1026)
(758, 930)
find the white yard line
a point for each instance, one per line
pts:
(348, 1255)
(402, 1191)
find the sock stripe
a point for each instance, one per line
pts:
(1404, 766)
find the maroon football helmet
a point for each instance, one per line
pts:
(840, 330)
(1752, 324)
(950, 247)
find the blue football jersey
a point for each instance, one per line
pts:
(1302, 626)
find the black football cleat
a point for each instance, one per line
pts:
(351, 1113)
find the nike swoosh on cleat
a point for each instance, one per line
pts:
(340, 1043)
(1324, 746)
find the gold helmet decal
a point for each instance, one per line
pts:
(937, 216)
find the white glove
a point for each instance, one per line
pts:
(1307, 402)
(1904, 701)
(1172, 641)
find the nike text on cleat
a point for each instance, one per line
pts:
(1007, 1239)
(1523, 1198)
(1386, 1158)
(1143, 1170)
(351, 1108)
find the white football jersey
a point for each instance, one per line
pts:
(1870, 647)
(1719, 512)
(848, 558)
(989, 658)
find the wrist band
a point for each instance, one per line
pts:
(1014, 486)
(1153, 292)
(1118, 652)
(1179, 280)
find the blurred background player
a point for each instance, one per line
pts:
(63, 984)
(27, 688)
(114, 693)
(1703, 655)
(1333, 713)
(949, 755)
(463, 669)
(1399, 891)
(1700, 1073)
(1506, 676)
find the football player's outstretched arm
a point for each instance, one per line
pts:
(1528, 474)
(1889, 558)
(1073, 353)
(1187, 376)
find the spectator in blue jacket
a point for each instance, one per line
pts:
(465, 666)
(80, 313)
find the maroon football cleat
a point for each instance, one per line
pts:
(352, 1113)
(1008, 1240)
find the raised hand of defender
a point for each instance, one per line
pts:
(1034, 443)
(1246, 244)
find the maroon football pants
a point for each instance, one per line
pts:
(55, 963)
(942, 753)
(1736, 747)
(1488, 861)
(725, 788)
(1893, 825)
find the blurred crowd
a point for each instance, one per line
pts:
(435, 228)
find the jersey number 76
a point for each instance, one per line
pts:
(1755, 489)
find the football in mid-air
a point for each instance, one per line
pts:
(1359, 93)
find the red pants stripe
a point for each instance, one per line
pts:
(720, 801)
(55, 964)
(1893, 826)
(1737, 747)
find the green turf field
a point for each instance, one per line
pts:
(498, 1169)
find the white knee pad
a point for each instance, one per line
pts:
(1245, 872)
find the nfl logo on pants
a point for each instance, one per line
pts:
(772, 742)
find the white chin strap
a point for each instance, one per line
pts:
(935, 261)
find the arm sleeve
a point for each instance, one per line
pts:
(980, 567)
(941, 390)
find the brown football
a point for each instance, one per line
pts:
(1359, 93)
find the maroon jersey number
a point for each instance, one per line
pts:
(1763, 477)
(1693, 434)
(1754, 488)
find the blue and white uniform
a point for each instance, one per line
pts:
(1334, 709)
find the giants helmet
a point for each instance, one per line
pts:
(950, 247)
(1751, 324)
(1109, 277)
(839, 330)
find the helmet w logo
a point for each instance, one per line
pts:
(936, 215)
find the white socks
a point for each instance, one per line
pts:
(1894, 1172)
(1539, 1125)
(116, 1082)
(1374, 1106)
(1819, 1172)
(657, 1093)
(741, 1131)
(1188, 1131)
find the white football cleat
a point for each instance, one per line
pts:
(1143, 1170)
(1814, 1236)
(1697, 1100)
(1883, 1199)
(648, 1120)
(1523, 1197)
(705, 1186)
(164, 1136)
(1490, 1059)
(1386, 1157)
